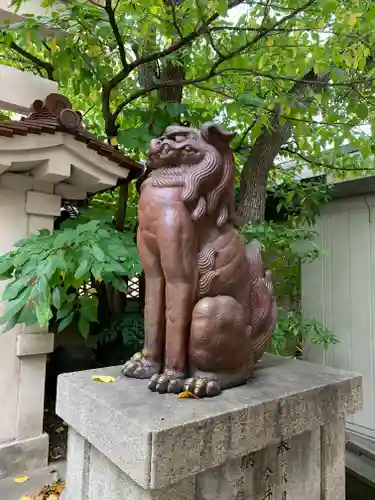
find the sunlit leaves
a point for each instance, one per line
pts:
(261, 54)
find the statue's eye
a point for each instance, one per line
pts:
(188, 149)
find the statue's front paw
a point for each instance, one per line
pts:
(203, 386)
(140, 366)
(169, 381)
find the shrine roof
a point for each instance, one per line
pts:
(55, 114)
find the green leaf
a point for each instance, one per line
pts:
(89, 227)
(362, 110)
(84, 327)
(12, 322)
(6, 265)
(65, 310)
(82, 269)
(66, 321)
(14, 288)
(56, 297)
(27, 315)
(43, 313)
(14, 306)
(98, 253)
(97, 270)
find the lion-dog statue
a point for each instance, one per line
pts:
(209, 309)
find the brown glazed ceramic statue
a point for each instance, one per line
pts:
(209, 309)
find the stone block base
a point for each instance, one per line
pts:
(17, 457)
(281, 437)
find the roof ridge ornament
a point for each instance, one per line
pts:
(58, 108)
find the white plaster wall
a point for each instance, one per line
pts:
(338, 289)
(13, 226)
(19, 89)
(28, 7)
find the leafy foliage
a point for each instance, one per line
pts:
(290, 241)
(292, 333)
(52, 271)
(286, 245)
(129, 326)
(303, 63)
(295, 78)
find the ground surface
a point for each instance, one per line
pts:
(9, 490)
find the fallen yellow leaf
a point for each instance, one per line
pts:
(187, 394)
(26, 498)
(59, 430)
(60, 488)
(104, 378)
(21, 479)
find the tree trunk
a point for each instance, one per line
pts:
(121, 209)
(172, 71)
(117, 298)
(253, 183)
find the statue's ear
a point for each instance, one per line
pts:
(214, 134)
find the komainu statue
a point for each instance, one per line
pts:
(209, 310)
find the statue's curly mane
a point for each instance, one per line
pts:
(208, 185)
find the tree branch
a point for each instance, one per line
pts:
(244, 135)
(182, 42)
(146, 58)
(213, 71)
(120, 43)
(174, 17)
(215, 91)
(263, 33)
(35, 60)
(321, 164)
(212, 74)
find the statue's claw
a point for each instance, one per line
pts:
(202, 387)
(140, 366)
(169, 381)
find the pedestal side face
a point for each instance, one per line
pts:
(160, 440)
(289, 471)
(310, 465)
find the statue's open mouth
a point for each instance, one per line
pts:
(164, 153)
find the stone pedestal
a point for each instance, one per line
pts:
(280, 437)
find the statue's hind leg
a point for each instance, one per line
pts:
(220, 351)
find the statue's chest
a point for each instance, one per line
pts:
(154, 203)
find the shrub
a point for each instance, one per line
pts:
(57, 275)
